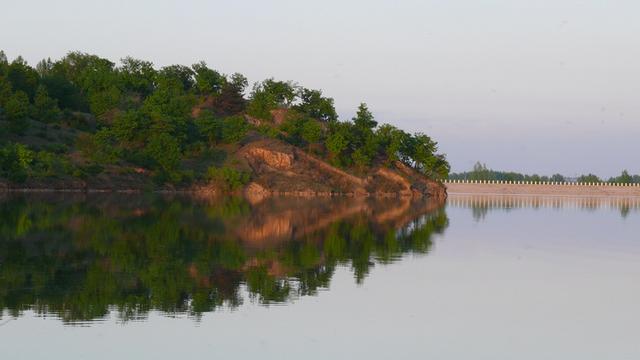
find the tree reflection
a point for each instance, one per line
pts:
(481, 204)
(81, 258)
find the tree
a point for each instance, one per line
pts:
(316, 106)
(164, 150)
(15, 160)
(591, 178)
(423, 154)
(338, 143)
(3, 60)
(480, 172)
(269, 95)
(17, 111)
(169, 106)
(558, 178)
(364, 121)
(101, 147)
(137, 76)
(391, 140)
(44, 67)
(180, 74)
(234, 128)
(231, 100)
(209, 126)
(311, 131)
(22, 77)
(130, 126)
(104, 100)
(5, 90)
(44, 107)
(208, 81)
(624, 178)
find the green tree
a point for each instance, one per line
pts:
(234, 129)
(101, 147)
(364, 121)
(137, 76)
(45, 108)
(480, 172)
(23, 77)
(207, 81)
(17, 111)
(624, 178)
(590, 178)
(209, 126)
(5, 90)
(179, 74)
(231, 179)
(102, 101)
(130, 126)
(269, 95)
(231, 99)
(164, 150)
(311, 131)
(391, 140)
(337, 143)
(316, 106)
(15, 162)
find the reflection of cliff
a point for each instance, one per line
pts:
(77, 256)
(281, 219)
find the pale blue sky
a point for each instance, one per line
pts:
(538, 86)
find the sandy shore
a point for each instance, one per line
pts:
(556, 190)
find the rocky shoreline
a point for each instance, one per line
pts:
(276, 168)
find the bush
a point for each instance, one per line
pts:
(209, 126)
(229, 178)
(17, 110)
(234, 128)
(101, 147)
(15, 162)
(47, 164)
(164, 150)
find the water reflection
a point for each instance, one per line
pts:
(481, 205)
(82, 257)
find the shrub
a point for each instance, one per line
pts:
(17, 110)
(164, 150)
(15, 162)
(234, 128)
(229, 178)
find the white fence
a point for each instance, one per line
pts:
(554, 183)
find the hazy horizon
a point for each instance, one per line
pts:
(545, 87)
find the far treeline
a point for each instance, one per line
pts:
(482, 172)
(83, 115)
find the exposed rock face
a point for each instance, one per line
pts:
(273, 158)
(279, 168)
(279, 116)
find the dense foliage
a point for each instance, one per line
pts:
(83, 114)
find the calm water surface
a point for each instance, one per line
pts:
(104, 277)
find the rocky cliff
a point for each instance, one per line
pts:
(279, 168)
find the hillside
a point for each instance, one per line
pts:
(83, 123)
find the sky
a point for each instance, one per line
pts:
(545, 86)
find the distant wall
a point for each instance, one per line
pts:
(540, 188)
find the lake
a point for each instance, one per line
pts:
(478, 277)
